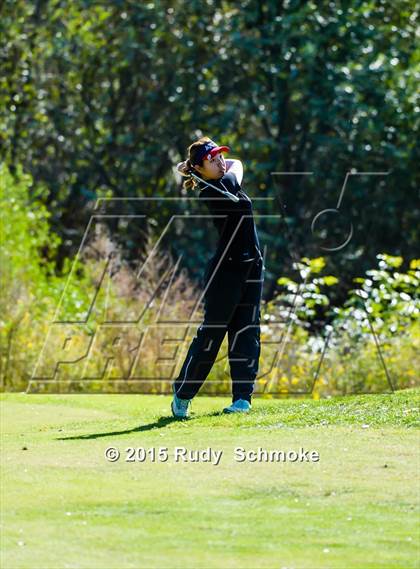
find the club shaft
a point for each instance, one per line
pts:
(225, 193)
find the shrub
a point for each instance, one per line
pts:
(371, 343)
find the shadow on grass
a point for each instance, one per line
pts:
(159, 424)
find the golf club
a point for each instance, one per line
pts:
(225, 192)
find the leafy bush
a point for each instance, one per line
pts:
(303, 302)
(376, 333)
(386, 299)
(371, 343)
(30, 286)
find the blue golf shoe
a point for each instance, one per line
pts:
(179, 406)
(239, 406)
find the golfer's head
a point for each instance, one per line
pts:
(206, 159)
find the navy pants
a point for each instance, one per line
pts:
(232, 304)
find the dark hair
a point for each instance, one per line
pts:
(190, 183)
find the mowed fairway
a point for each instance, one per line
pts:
(65, 506)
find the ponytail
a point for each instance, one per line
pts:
(185, 168)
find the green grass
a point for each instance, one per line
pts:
(65, 506)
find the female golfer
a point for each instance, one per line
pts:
(233, 281)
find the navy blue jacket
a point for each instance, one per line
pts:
(234, 221)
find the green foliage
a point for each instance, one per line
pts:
(31, 287)
(375, 335)
(28, 247)
(371, 343)
(303, 299)
(36, 296)
(102, 100)
(388, 298)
